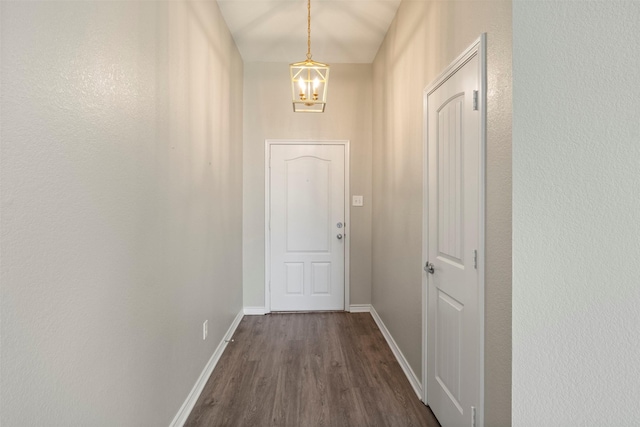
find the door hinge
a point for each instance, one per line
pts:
(475, 100)
(473, 416)
(475, 259)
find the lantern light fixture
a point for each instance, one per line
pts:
(309, 79)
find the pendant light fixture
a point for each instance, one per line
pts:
(309, 79)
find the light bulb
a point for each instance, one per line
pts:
(316, 83)
(301, 83)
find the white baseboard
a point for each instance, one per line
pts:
(411, 376)
(360, 308)
(254, 311)
(187, 406)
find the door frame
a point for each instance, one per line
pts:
(267, 218)
(478, 48)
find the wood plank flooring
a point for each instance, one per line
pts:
(309, 369)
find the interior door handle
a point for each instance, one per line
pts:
(429, 268)
(339, 236)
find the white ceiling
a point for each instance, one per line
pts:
(342, 31)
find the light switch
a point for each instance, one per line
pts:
(358, 201)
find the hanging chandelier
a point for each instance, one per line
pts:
(309, 79)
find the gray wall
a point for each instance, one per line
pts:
(576, 199)
(423, 39)
(121, 201)
(268, 114)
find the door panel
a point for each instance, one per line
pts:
(294, 278)
(320, 278)
(450, 176)
(448, 346)
(453, 228)
(308, 184)
(307, 193)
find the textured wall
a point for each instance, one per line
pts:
(268, 115)
(424, 38)
(121, 209)
(576, 198)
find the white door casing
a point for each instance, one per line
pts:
(454, 241)
(307, 237)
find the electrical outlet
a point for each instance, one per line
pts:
(205, 329)
(357, 201)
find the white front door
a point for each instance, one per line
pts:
(453, 186)
(307, 230)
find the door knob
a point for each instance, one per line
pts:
(339, 236)
(429, 268)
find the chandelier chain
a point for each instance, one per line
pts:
(308, 29)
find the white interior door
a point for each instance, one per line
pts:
(453, 186)
(307, 230)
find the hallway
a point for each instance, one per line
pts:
(133, 199)
(311, 369)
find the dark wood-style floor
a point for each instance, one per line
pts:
(309, 369)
